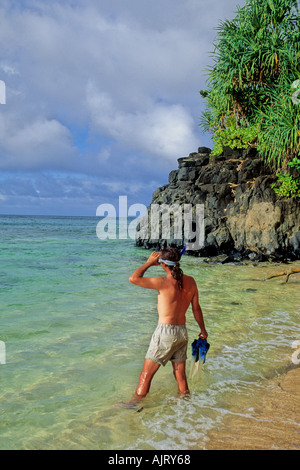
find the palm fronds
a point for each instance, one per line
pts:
(256, 59)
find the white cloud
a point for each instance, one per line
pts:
(161, 130)
(41, 144)
(120, 79)
(9, 69)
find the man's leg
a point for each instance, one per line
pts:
(146, 376)
(180, 376)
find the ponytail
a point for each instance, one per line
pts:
(172, 254)
(177, 274)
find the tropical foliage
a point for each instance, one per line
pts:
(289, 186)
(249, 96)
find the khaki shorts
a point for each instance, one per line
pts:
(168, 343)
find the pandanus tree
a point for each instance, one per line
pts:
(256, 60)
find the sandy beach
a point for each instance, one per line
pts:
(273, 423)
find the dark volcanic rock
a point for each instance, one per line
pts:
(243, 219)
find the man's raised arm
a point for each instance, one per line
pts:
(147, 282)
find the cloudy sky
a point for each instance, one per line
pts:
(102, 98)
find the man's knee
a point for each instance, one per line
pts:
(179, 368)
(179, 374)
(146, 376)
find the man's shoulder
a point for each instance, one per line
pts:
(161, 280)
(189, 277)
(189, 280)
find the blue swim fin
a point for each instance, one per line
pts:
(200, 348)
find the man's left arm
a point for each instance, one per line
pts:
(138, 278)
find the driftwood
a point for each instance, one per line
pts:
(284, 273)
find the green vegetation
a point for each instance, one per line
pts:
(289, 186)
(251, 84)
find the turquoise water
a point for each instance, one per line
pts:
(76, 332)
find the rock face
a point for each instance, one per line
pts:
(243, 219)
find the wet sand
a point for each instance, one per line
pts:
(269, 420)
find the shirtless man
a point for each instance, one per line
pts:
(176, 292)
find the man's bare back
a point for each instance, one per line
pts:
(173, 302)
(174, 298)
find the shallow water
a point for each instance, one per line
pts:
(76, 332)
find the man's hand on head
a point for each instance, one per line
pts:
(153, 258)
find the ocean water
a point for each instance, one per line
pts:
(76, 332)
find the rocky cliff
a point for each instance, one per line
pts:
(243, 218)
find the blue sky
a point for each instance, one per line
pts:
(102, 98)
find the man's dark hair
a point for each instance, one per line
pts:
(172, 254)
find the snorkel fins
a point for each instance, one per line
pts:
(200, 348)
